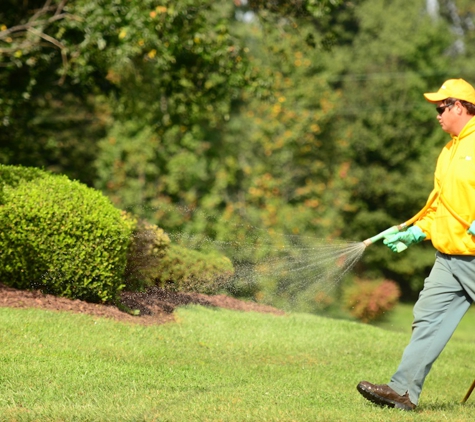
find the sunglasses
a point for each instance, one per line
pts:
(441, 109)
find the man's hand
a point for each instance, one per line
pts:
(412, 235)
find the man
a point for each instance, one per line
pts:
(449, 224)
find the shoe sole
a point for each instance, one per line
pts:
(381, 401)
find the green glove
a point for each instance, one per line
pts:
(471, 229)
(412, 235)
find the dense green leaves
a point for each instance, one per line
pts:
(167, 64)
(61, 237)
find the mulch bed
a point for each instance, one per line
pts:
(156, 305)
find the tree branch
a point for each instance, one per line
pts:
(16, 36)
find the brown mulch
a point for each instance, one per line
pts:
(156, 305)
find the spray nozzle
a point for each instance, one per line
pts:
(388, 232)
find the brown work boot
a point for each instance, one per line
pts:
(383, 395)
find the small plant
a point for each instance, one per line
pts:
(369, 300)
(148, 247)
(183, 269)
(61, 237)
(153, 260)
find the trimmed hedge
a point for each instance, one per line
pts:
(183, 269)
(13, 175)
(61, 237)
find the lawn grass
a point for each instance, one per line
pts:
(212, 365)
(400, 320)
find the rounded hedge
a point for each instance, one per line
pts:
(61, 237)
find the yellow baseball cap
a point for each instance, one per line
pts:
(453, 88)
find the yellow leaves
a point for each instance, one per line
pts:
(158, 11)
(265, 187)
(112, 76)
(312, 203)
(287, 135)
(229, 211)
(326, 105)
(3, 27)
(315, 128)
(152, 53)
(312, 191)
(122, 34)
(255, 192)
(277, 108)
(247, 170)
(298, 59)
(18, 54)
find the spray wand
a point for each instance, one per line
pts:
(400, 246)
(388, 232)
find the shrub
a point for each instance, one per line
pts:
(148, 247)
(153, 260)
(183, 269)
(370, 300)
(61, 237)
(14, 175)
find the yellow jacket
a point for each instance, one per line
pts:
(455, 183)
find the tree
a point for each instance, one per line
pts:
(71, 67)
(393, 136)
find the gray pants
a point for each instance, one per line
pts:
(448, 292)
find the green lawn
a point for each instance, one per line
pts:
(400, 320)
(214, 365)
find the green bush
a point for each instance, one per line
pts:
(369, 300)
(148, 247)
(13, 175)
(61, 237)
(153, 260)
(183, 269)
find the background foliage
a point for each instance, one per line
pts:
(213, 117)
